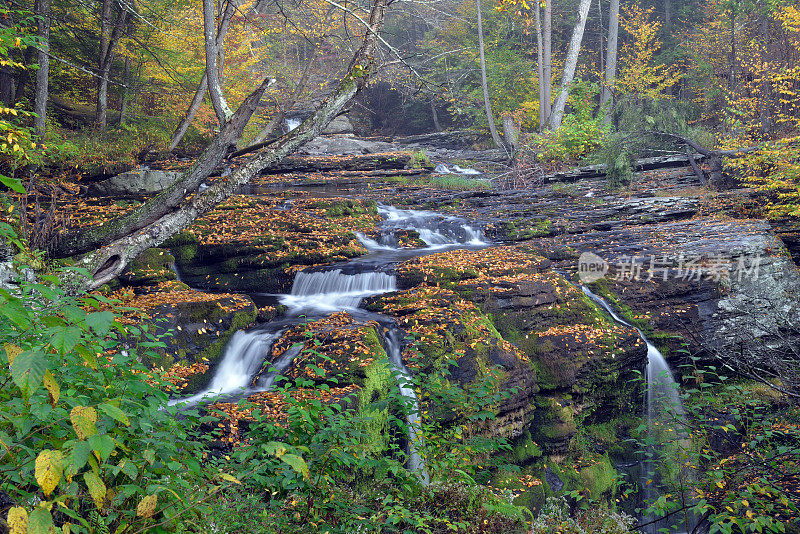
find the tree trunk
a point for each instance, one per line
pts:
(197, 100)
(435, 116)
(547, 66)
(286, 106)
(510, 131)
(540, 67)
(109, 37)
(221, 108)
(110, 260)
(123, 107)
(569, 66)
(606, 96)
(42, 75)
(765, 102)
(484, 83)
(732, 59)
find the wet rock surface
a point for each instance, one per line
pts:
(680, 266)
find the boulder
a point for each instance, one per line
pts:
(136, 183)
(339, 125)
(345, 146)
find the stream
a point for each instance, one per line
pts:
(318, 292)
(663, 411)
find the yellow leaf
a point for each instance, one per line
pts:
(147, 506)
(83, 421)
(49, 468)
(97, 489)
(12, 351)
(229, 478)
(17, 520)
(52, 387)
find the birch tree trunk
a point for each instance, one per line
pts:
(540, 67)
(42, 75)
(484, 83)
(219, 43)
(547, 66)
(115, 254)
(607, 94)
(221, 108)
(569, 66)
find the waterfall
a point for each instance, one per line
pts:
(437, 231)
(416, 463)
(332, 291)
(293, 123)
(664, 409)
(244, 355)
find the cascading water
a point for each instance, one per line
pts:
(340, 288)
(416, 463)
(436, 230)
(244, 355)
(664, 409)
(332, 291)
(293, 123)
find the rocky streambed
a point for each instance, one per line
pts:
(691, 268)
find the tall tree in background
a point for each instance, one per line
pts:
(606, 95)
(219, 40)
(111, 29)
(547, 66)
(540, 65)
(213, 52)
(42, 10)
(484, 83)
(569, 67)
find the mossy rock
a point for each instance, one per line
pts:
(150, 268)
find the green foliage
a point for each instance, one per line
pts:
(639, 121)
(89, 150)
(326, 469)
(579, 135)
(419, 160)
(82, 425)
(739, 459)
(555, 518)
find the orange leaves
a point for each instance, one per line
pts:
(179, 374)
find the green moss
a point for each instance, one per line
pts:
(524, 450)
(521, 230)
(599, 479)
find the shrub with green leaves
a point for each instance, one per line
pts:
(320, 467)
(87, 442)
(579, 135)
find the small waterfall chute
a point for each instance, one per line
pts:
(293, 123)
(467, 170)
(331, 291)
(244, 355)
(664, 407)
(416, 462)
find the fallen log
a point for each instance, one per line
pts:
(457, 137)
(645, 164)
(359, 162)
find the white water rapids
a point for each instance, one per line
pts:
(341, 288)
